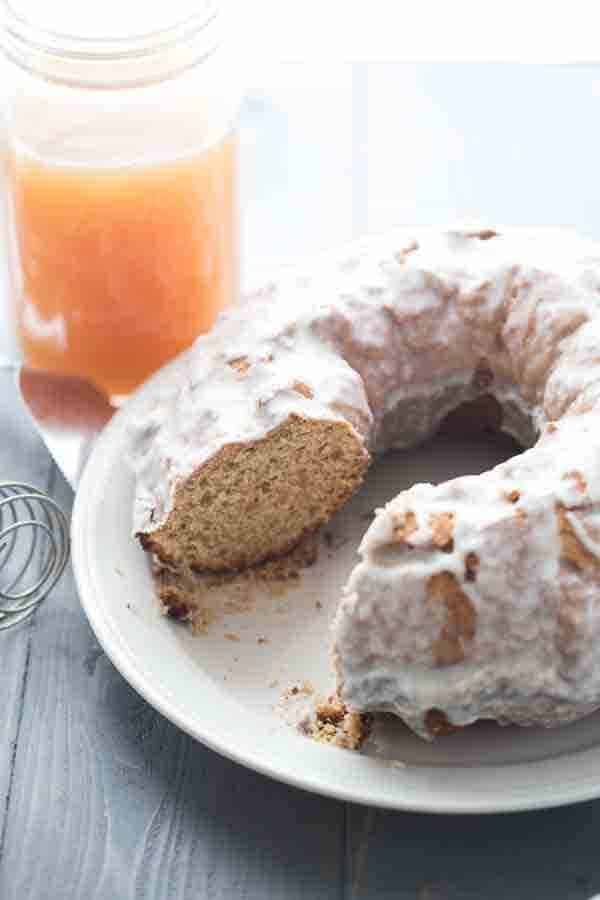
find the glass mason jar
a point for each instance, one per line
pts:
(121, 169)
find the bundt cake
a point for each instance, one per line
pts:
(475, 598)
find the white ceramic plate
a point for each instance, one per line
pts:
(224, 691)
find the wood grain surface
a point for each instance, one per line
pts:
(103, 799)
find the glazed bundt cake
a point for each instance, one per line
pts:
(475, 598)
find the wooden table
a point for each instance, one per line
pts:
(100, 797)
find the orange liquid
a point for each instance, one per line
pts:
(121, 268)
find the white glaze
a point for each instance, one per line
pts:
(390, 337)
(209, 404)
(516, 668)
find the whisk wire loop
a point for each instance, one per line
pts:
(34, 549)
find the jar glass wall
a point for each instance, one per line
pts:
(122, 168)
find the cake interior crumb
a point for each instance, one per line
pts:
(333, 723)
(324, 720)
(203, 598)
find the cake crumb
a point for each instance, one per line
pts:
(577, 477)
(325, 720)
(302, 388)
(438, 724)
(318, 605)
(305, 688)
(202, 598)
(404, 526)
(333, 723)
(513, 496)
(241, 364)
(262, 640)
(471, 566)
(231, 636)
(201, 620)
(442, 530)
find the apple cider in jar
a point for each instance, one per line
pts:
(121, 179)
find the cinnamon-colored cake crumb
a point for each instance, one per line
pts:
(203, 598)
(201, 620)
(305, 688)
(252, 501)
(334, 724)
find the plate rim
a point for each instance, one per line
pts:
(310, 779)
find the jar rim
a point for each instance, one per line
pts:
(56, 54)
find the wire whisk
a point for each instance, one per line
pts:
(34, 549)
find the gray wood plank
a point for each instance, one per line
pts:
(551, 854)
(22, 458)
(111, 802)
